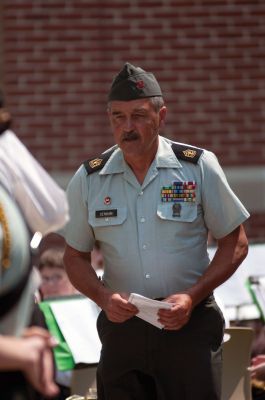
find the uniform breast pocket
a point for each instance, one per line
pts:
(109, 224)
(176, 224)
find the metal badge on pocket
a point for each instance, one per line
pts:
(176, 208)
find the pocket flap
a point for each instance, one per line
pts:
(186, 212)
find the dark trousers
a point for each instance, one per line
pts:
(141, 362)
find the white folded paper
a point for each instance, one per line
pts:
(148, 308)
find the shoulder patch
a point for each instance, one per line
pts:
(95, 164)
(187, 153)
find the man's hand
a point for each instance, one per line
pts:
(118, 309)
(179, 314)
(32, 355)
(38, 367)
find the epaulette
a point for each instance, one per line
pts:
(95, 164)
(181, 151)
(187, 152)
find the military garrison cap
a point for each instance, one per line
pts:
(133, 83)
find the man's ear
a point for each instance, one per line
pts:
(162, 114)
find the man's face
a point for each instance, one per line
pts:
(135, 125)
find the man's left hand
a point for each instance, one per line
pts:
(179, 314)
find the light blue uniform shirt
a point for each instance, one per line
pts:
(146, 249)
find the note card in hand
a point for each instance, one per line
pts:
(148, 308)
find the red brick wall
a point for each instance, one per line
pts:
(209, 56)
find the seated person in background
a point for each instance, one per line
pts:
(258, 367)
(258, 345)
(54, 280)
(257, 371)
(55, 283)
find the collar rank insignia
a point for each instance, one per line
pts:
(189, 153)
(95, 163)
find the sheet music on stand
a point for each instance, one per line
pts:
(72, 321)
(256, 287)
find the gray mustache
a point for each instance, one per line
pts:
(130, 136)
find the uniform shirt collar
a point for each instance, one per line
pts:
(115, 163)
(165, 158)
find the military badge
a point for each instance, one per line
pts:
(107, 200)
(140, 84)
(176, 208)
(95, 163)
(189, 153)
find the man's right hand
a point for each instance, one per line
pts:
(118, 309)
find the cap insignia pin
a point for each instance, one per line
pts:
(140, 84)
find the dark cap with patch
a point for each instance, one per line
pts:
(133, 83)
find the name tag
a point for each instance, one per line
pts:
(106, 213)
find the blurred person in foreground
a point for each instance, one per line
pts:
(32, 205)
(150, 203)
(26, 360)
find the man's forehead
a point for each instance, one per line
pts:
(132, 105)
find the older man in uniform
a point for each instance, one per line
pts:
(150, 203)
